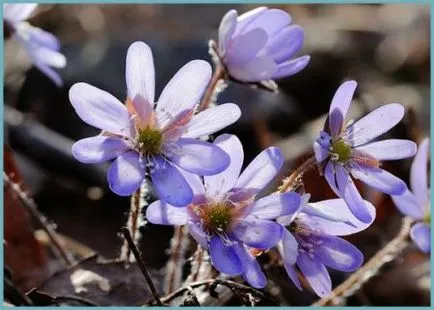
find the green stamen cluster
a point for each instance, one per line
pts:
(150, 141)
(427, 218)
(342, 151)
(218, 217)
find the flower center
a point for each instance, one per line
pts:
(150, 141)
(217, 217)
(427, 217)
(341, 150)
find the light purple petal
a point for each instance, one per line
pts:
(98, 149)
(219, 184)
(140, 72)
(271, 21)
(224, 257)
(245, 46)
(288, 248)
(338, 206)
(43, 38)
(99, 109)
(379, 179)
(261, 170)
(421, 235)
(284, 44)
(375, 123)
(337, 253)
(183, 91)
(329, 174)
(340, 105)
(125, 175)
(256, 70)
(321, 153)
(169, 183)
(408, 205)
(418, 174)
(292, 274)
(18, 12)
(199, 157)
(291, 67)
(162, 213)
(261, 234)
(275, 205)
(247, 18)
(252, 271)
(40, 53)
(351, 195)
(227, 29)
(197, 234)
(195, 183)
(212, 120)
(52, 74)
(316, 274)
(390, 149)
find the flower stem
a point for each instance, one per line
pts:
(32, 208)
(387, 254)
(293, 179)
(141, 264)
(212, 89)
(132, 224)
(174, 266)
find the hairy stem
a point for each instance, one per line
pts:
(32, 208)
(174, 266)
(142, 266)
(213, 88)
(290, 182)
(133, 225)
(387, 254)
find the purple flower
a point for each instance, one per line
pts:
(159, 140)
(416, 204)
(344, 150)
(310, 243)
(259, 45)
(224, 216)
(41, 46)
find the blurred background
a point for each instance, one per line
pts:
(386, 48)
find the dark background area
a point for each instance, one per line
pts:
(384, 47)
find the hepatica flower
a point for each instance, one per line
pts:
(348, 150)
(259, 45)
(416, 203)
(310, 243)
(224, 216)
(147, 137)
(41, 46)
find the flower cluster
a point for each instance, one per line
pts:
(41, 46)
(200, 184)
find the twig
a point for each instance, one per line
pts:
(14, 295)
(212, 88)
(178, 247)
(31, 206)
(371, 268)
(82, 300)
(141, 264)
(295, 176)
(213, 282)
